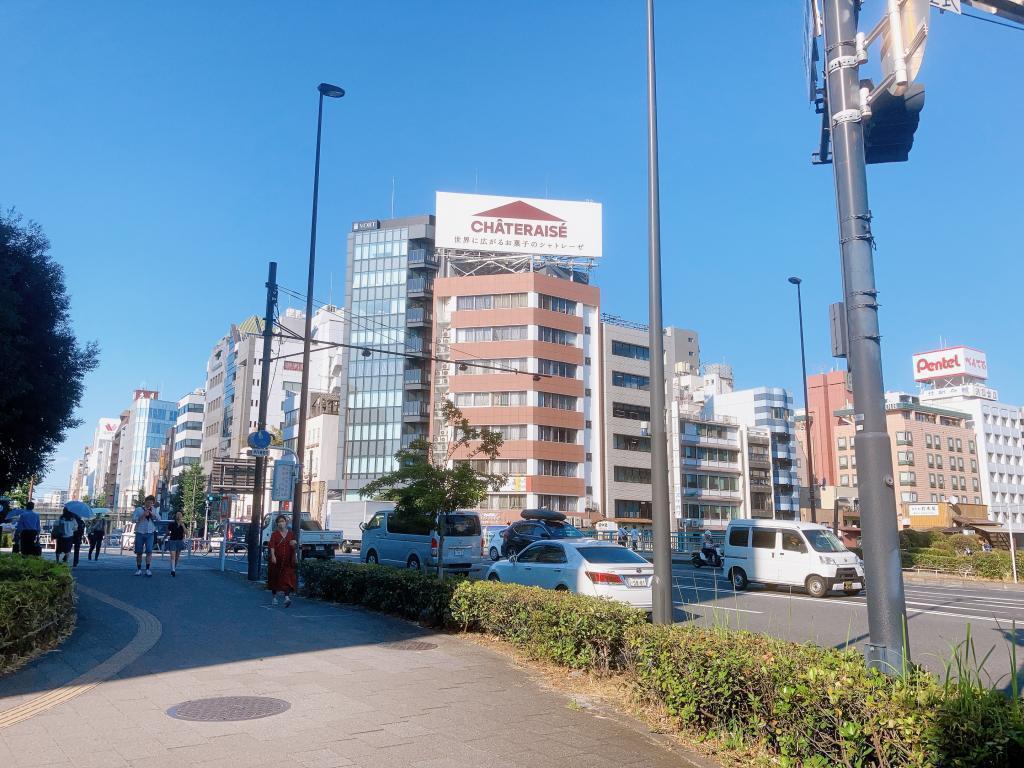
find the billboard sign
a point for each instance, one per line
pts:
(923, 510)
(954, 361)
(524, 225)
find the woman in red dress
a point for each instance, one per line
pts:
(281, 569)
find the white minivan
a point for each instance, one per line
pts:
(790, 553)
(389, 541)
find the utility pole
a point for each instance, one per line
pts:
(807, 406)
(660, 512)
(888, 648)
(253, 540)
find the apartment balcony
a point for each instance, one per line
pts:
(408, 440)
(415, 345)
(726, 466)
(760, 460)
(418, 287)
(417, 379)
(418, 317)
(711, 442)
(784, 477)
(416, 410)
(703, 494)
(421, 258)
(784, 451)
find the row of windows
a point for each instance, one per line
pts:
(557, 434)
(507, 431)
(632, 475)
(556, 336)
(556, 368)
(190, 408)
(477, 367)
(632, 509)
(631, 443)
(559, 402)
(631, 411)
(378, 278)
(631, 380)
(557, 468)
(633, 351)
(710, 454)
(375, 398)
(496, 466)
(188, 426)
(492, 333)
(712, 482)
(556, 304)
(504, 501)
(493, 301)
(190, 443)
(374, 431)
(557, 503)
(489, 399)
(714, 431)
(381, 235)
(911, 496)
(370, 465)
(718, 512)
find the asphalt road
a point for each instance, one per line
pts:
(938, 617)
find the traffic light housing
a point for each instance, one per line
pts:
(889, 132)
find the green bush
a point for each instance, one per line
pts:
(985, 565)
(37, 607)
(910, 539)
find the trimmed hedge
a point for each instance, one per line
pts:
(801, 704)
(37, 608)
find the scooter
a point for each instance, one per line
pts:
(703, 557)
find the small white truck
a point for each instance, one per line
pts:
(314, 540)
(347, 516)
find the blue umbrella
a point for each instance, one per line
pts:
(79, 508)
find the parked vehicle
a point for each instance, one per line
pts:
(314, 541)
(583, 566)
(537, 525)
(391, 541)
(349, 516)
(711, 558)
(494, 536)
(792, 554)
(235, 534)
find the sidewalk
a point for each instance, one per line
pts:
(356, 698)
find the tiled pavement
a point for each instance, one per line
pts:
(355, 701)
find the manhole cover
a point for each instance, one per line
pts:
(410, 645)
(226, 708)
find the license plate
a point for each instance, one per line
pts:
(636, 581)
(851, 585)
(458, 551)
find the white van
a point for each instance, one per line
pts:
(790, 553)
(391, 542)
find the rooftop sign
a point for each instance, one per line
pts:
(953, 361)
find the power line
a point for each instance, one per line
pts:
(1008, 25)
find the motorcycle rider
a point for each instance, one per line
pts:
(707, 547)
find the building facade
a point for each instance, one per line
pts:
(149, 418)
(389, 288)
(826, 394)
(187, 440)
(99, 457)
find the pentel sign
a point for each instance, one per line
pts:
(494, 224)
(955, 361)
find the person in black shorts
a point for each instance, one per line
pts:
(175, 541)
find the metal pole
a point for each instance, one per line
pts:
(253, 541)
(807, 410)
(660, 512)
(888, 648)
(304, 390)
(1013, 546)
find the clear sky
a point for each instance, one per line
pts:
(167, 150)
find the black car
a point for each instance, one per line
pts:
(536, 525)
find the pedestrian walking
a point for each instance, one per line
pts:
(70, 538)
(97, 531)
(56, 535)
(281, 569)
(76, 539)
(26, 531)
(623, 537)
(635, 538)
(145, 518)
(175, 541)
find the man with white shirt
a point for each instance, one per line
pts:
(145, 518)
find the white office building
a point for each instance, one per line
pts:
(99, 456)
(187, 445)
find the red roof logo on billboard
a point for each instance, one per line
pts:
(522, 212)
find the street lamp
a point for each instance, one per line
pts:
(331, 92)
(807, 412)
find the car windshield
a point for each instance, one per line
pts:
(610, 555)
(563, 531)
(462, 525)
(824, 541)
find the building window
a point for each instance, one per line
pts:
(954, 483)
(631, 380)
(496, 467)
(631, 411)
(493, 301)
(632, 443)
(634, 351)
(476, 367)
(951, 443)
(504, 501)
(557, 468)
(491, 333)
(909, 496)
(556, 304)
(718, 512)
(931, 479)
(974, 465)
(489, 399)
(558, 503)
(905, 458)
(908, 478)
(844, 462)
(556, 434)
(632, 475)
(844, 480)
(927, 440)
(970, 446)
(710, 482)
(841, 443)
(701, 453)
(633, 510)
(942, 481)
(556, 336)
(959, 445)
(904, 438)
(559, 402)
(556, 368)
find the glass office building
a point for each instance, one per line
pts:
(149, 418)
(389, 291)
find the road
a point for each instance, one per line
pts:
(938, 617)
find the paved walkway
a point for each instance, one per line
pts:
(355, 700)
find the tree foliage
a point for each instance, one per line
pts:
(189, 497)
(429, 483)
(44, 365)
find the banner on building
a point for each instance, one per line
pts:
(954, 361)
(523, 225)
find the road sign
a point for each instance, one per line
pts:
(260, 439)
(286, 474)
(225, 507)
(259, 452)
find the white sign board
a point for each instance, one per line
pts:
(282, 487)
(954, 361)
(496, 224)
(923, 510)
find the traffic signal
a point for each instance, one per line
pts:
(889, 132)
(210, 498)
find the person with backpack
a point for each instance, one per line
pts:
(97, 531)
(26, 531)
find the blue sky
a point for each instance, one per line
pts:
(167, 150)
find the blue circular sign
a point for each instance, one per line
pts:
(260, 439)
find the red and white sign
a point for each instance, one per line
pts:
(954, 361)
(525, 225)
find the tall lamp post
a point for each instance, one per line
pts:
(807, 411)
(332, 92)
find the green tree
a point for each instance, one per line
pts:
(140, 498)
(429, 482)
(100, 500)
(44, 366)
(20, 494)
(190, 496)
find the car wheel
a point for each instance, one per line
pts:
(739, 579)
(817, 586)
(495, 554)
(413, 564)
(493, 577)
(371, 558)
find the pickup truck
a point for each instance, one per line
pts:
(314, 540)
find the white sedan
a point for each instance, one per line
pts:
(586, 567)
